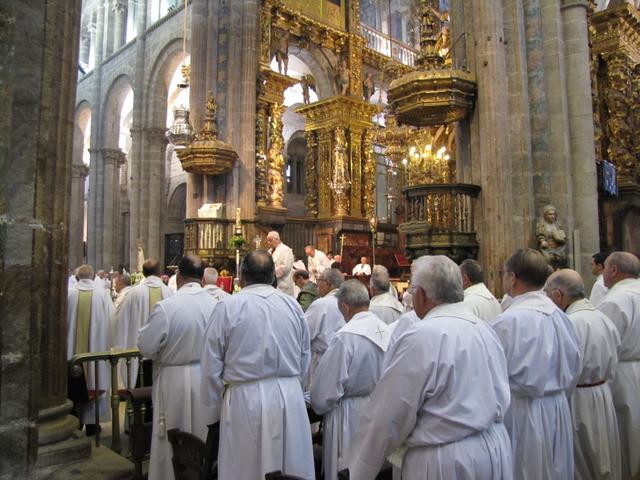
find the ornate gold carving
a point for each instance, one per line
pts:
(276, 159)
(369, 184)
(311, 175)
(322, 10)
(340, 182)
(615, 36)
(261, 157)
(324, 172)
(207, 154)
(265, 33)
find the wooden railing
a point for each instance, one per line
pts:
(387, 46)
(445, 207)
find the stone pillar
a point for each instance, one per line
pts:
(79, 173)
(119, 10)
(496, 234)
(37, 96)
(153, 192)
(137, 148)
(112, 158)
(583, 165)
(94, 213)
(85, 46)
(557, 95)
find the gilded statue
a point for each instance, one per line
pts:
(368, 87)
(276, 159)
(307, 82)
(551, 237)
(342, 77)
(281, 46)
(369, 200)
(340, 182)
(311, 175)
(443, 45)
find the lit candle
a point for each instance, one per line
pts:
(238, 223)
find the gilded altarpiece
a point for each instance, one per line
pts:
(333, 121)
(615, 40)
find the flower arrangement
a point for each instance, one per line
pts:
(237, 241)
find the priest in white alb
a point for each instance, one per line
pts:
(324, 318)
(622, 305)
(173, 340)
(599, 290)
(477, 296)
(543, 357)
(133, 313)
(283, 259)
(437, 410)
(596, 441)
(347, 374)
(384, 303)
(317, 262)
(89, 315)
(254, 357)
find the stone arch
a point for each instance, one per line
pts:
(319, 65)
(112, 109)
(176, 208)
(159, 80)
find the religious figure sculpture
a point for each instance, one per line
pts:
(342, 77)
(281, 42)
(368, 87)
(307, 82)
(551, 237)
(340, 183)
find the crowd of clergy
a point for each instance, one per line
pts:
(443, 382)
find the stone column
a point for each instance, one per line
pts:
(119, 10)
(557, 94)
(496, 234)
(153, 187)
(137, 148)
(94, 235)
(85, 46)
(583, 165)
(112, 159)
(79, 173)
(37, 96)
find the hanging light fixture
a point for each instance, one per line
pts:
(180, 134)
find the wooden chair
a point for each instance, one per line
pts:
(192, 458)
(278, 475)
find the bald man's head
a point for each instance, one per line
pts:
(620, 266)
(151, 266)
(564, 287)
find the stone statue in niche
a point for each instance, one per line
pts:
(551, 238)
(342, 77)
(281, 44)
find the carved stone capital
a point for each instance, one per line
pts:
(79, 170)
(113, 156)
(156, 135)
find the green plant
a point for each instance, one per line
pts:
(237, 241)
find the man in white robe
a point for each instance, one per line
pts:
(122, 287)
(317, 262)
(596, 441)
(347, 374)
(323, 318)
(209, 280)
(598, 291)
(363, 268)
(283, 259)
(384, 303)
(255, 355)
(89, 314)
(443, 393)
(622, 305)
(173, 340)
(134, 313)
(543, 357)
(477, 296)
